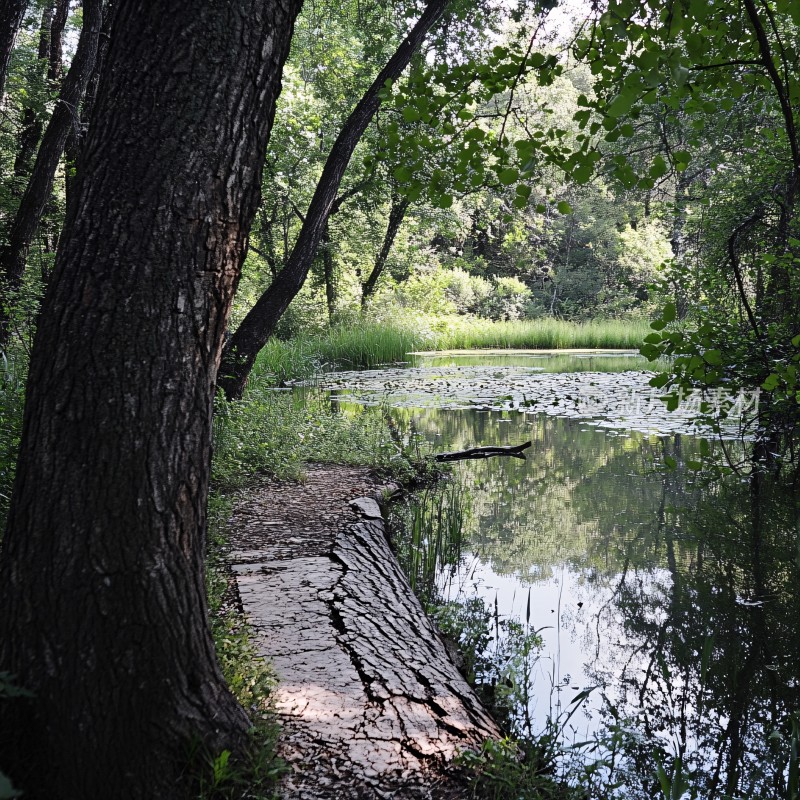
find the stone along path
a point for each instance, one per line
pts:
(370, 703)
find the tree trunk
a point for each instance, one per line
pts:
(102, 600)
(243, 347)
(678, 237)
(14, 255)
(329, 269)
(32, 122)
(11, 14)
(78, 130)
(56, 54)
(400, 205)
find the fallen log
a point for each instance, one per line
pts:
(514, 451)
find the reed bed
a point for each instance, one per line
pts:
(366, 344)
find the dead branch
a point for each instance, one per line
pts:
(514, 451)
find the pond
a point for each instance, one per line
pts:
(673, 598)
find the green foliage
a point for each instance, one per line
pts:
(272, 432)
(249, 677)
(13, 373)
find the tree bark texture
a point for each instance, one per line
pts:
(65, 114)
(397, 213)
(11, 14)
(245, 344)
(370, 703)
(56, 55)
(102, 599)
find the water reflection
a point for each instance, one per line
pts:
(677, 598)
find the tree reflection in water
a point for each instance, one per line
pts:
(693, 589)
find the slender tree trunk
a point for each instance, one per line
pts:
(11, 14)
(678, 237)
(77, 131)
(243, 347)
(397, 214)
(32, 122)
(14, 255)
(102, 601)
(56, 55)
(329, 270)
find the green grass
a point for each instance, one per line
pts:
(544, 334)
(367, 344)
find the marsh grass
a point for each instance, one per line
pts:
(429, 535)
(367, 344)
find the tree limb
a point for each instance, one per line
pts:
(514, 451)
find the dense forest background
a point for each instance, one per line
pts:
(172, 198)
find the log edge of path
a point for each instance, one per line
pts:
(370, 703)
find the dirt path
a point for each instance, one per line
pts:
(371, 704)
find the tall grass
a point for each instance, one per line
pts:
(430, 536)
(544, 334)
(367, 344)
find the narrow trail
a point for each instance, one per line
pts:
(370, 703)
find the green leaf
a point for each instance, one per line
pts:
(403, 174)
(650, 351)
(564, 207)
(659, 167)
(621, 104)
(771, 383)
(671, 464)
(508, 176)
(445, 201)
(410, 114)
(670, 312)
(660, 380)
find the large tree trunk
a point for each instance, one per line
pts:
(11, 14)
(14, 255)
(243, 347)
(102, 602)
(400, 205)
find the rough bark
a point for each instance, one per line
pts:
(245, 344)
(102, 600)
(11, 14)
(370, 702)
(14, 255)
(397, 213)
(55, 57)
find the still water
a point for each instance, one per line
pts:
(674, 599)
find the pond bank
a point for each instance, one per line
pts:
(370, 704)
